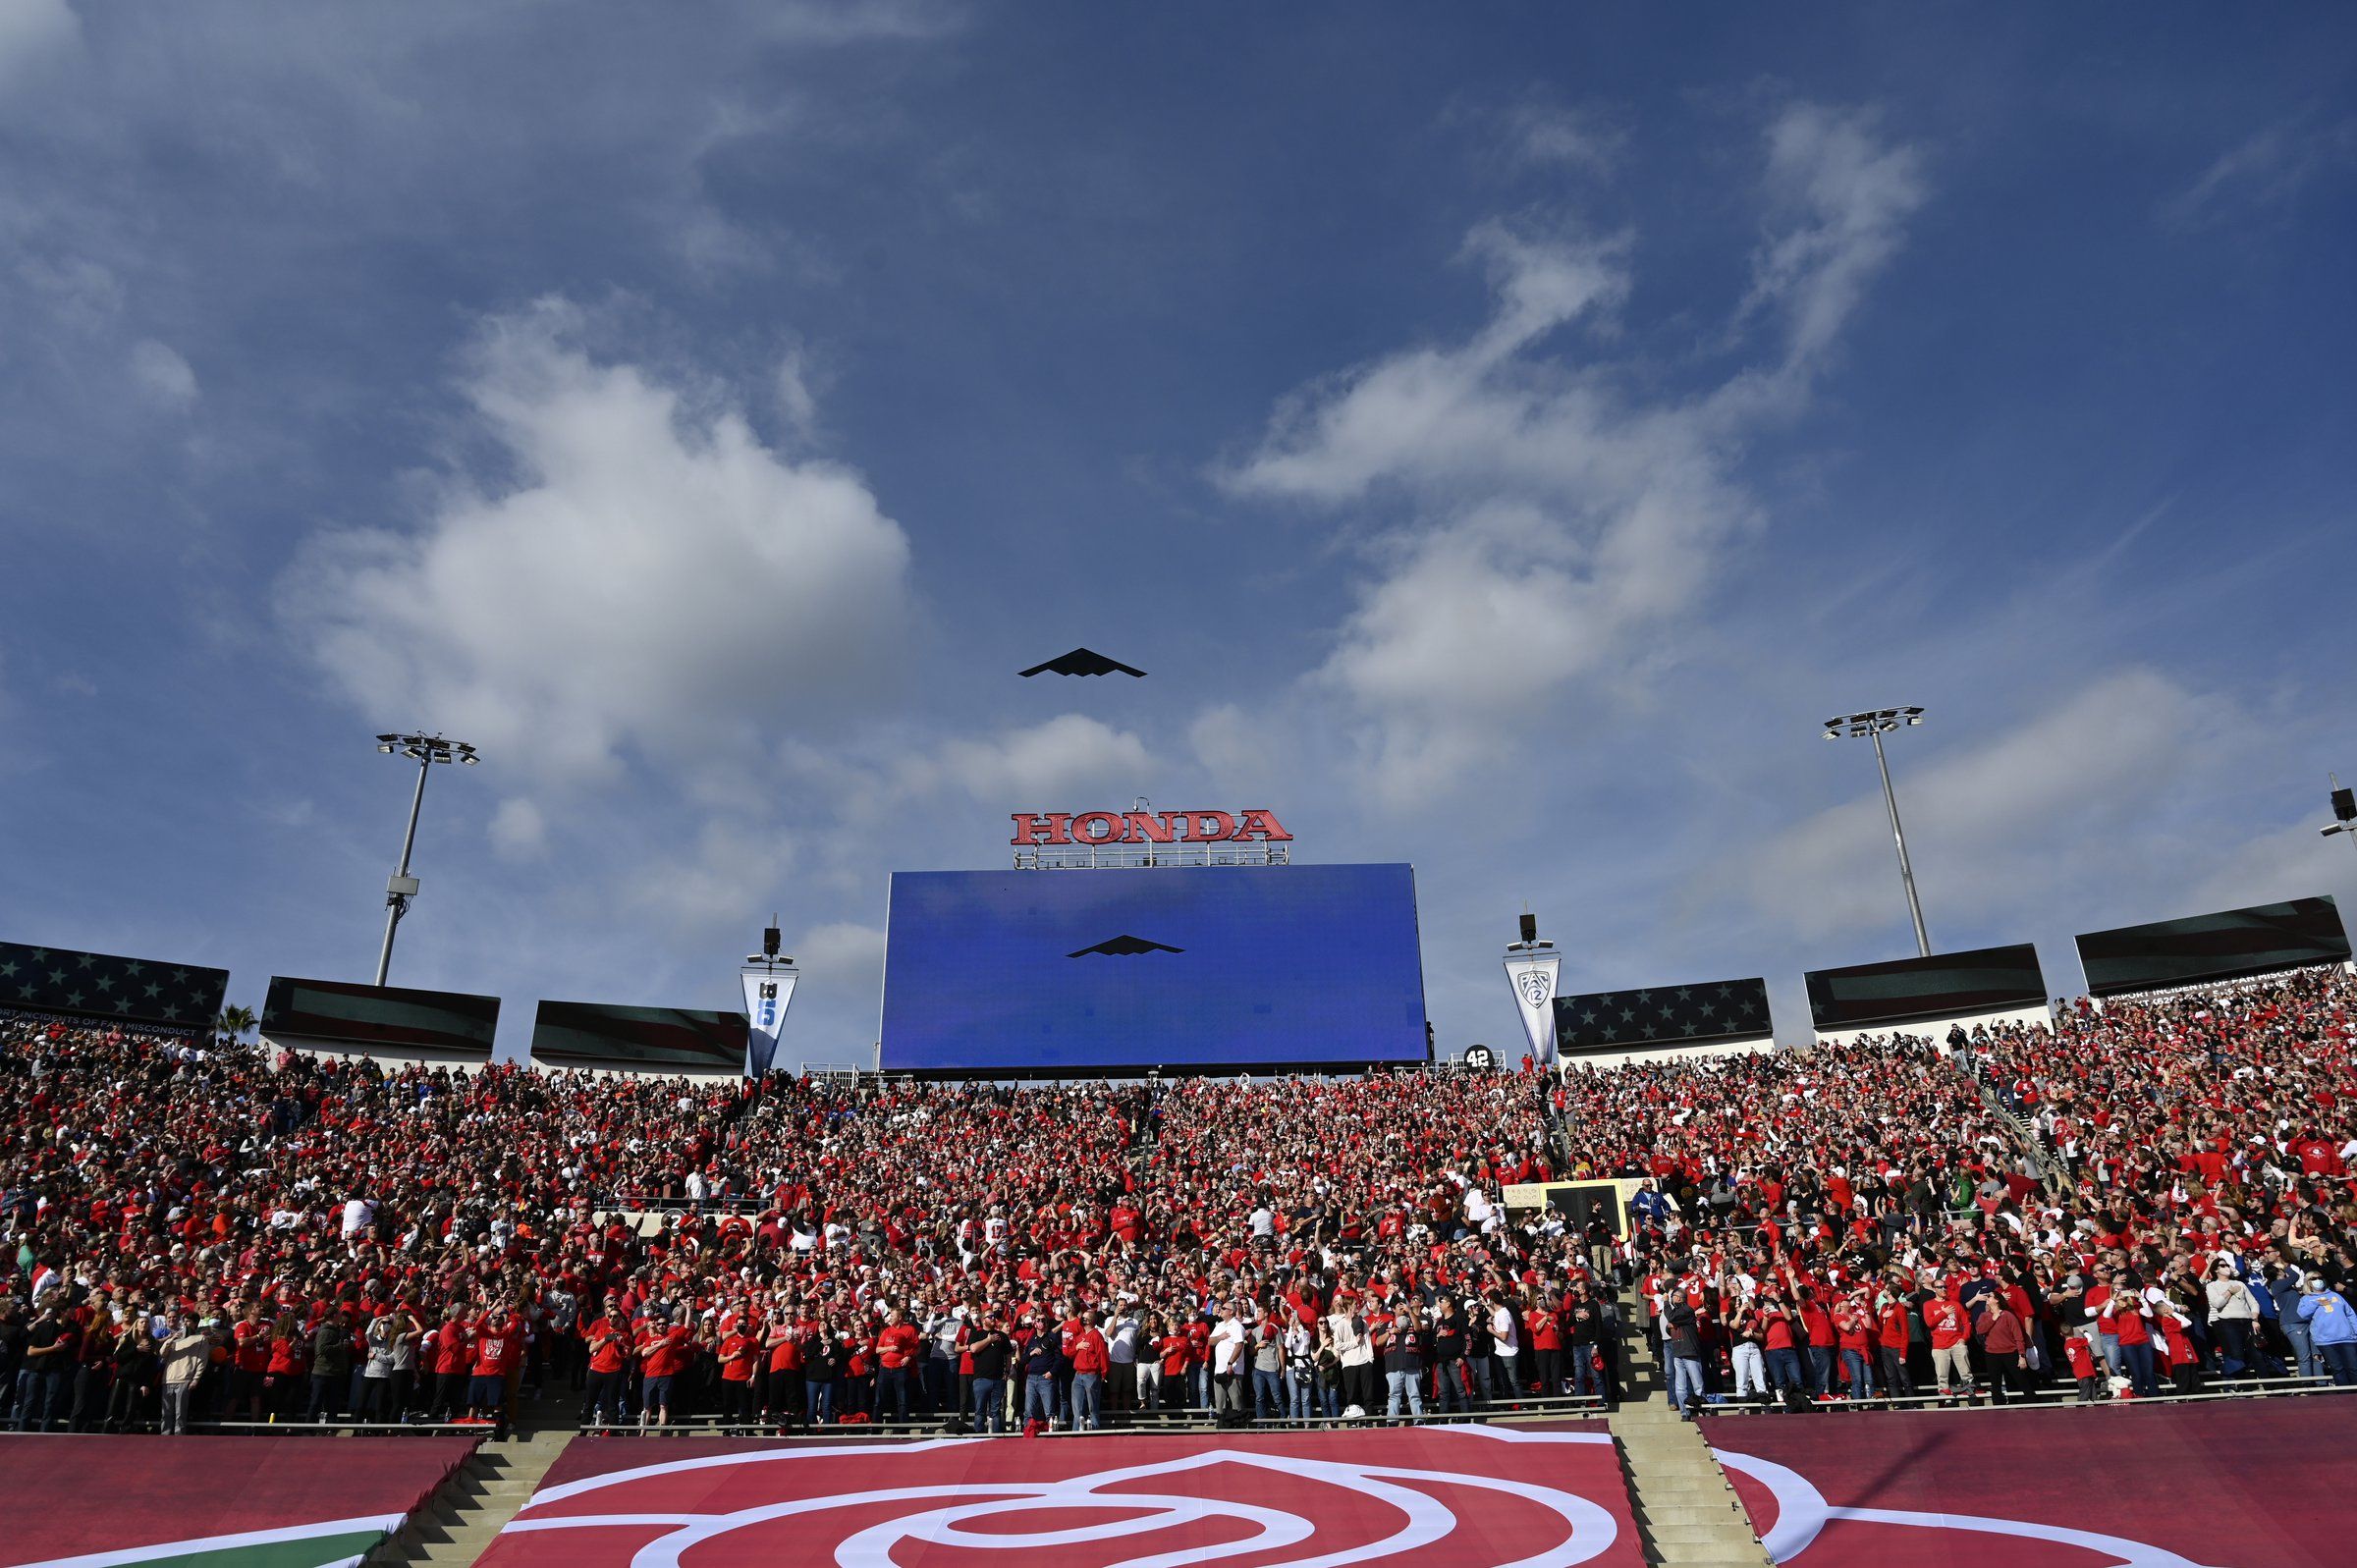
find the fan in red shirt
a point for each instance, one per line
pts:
(897, 1350)
(449, 1350)
(498, 1349)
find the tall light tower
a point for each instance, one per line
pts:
(2344, 810)
(1874, 725)
(425, 751)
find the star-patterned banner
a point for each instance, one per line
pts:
(1665, 1015)
(99, 985)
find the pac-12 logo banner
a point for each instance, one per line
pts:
(1436, 1497)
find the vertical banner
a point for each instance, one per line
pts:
(1531, 969)
(768, 988)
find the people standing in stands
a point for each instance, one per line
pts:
(449, 1357)
(1402, 1342)
(1546, 1330)
(1450, 1390)
(897, 1348)
(665, 1348)
(2233, 1318)
(1122, 1329)
(1854, 1330)
(1041, 1360)
(93, 1361)
(986, 1352)
(492, 1354)
(822, 1369)
(1355, 1349)
(2003, 1339)
(1229, 1385)
(284, 1381)
(2078, 1348)
(606, 1343)
(374, 1374)
(2284, 1285)
(2331, 1327)
(1091, 1359)
(1683, 1340)
(2132, 1318)
(186, 1352)
(1176, 1353)
(331, 1369)
(739, 1354)
(1893, 1330)
(1951, 1360)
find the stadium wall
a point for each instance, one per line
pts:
(1936, 1029)
(664, 1071)
(1642, 1054)
(389, 1055)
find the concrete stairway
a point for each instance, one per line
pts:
(1687, 1512)
(457, 1526)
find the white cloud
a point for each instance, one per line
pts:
(2068, 796)
(734, 873)
(1064, 759)
(1554, 133)
(1846, 195)
(517, 829)
(2293, 862)
(162, 374)
(642, 574)
(2261, 172)
(32, 31)
(1563, 525)
(831, 1019)
(840, 946)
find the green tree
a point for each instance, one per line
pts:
(234, 1024)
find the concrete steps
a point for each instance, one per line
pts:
(1686, 1512)
(458, 1524)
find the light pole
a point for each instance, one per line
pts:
(425, 751)
(1873, 726)
(2344, 810)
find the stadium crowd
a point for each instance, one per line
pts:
(1853, 1222)
(196, 1229)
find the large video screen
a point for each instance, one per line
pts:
(588, 1034)
(101, 986)
(1664, 1016)
(1946, 985)
(2224, 946)
(345, 1012)
(1240, 967)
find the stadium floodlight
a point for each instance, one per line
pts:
(1873, 726)
(2344, 810)
(425, 751)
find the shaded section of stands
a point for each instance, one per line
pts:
(1451, 1497)
(2258, 1483)
(255, 1501)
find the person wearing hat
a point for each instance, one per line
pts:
(2331, 1327)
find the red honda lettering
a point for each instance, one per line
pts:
(1202, 827)
(1146, 827)
(1096, 827)
(1263, 825)
(1029, 826)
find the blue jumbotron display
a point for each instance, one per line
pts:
(1180, 967)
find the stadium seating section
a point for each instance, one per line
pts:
(2156, 1195)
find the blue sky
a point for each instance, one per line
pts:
(1503, 434)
